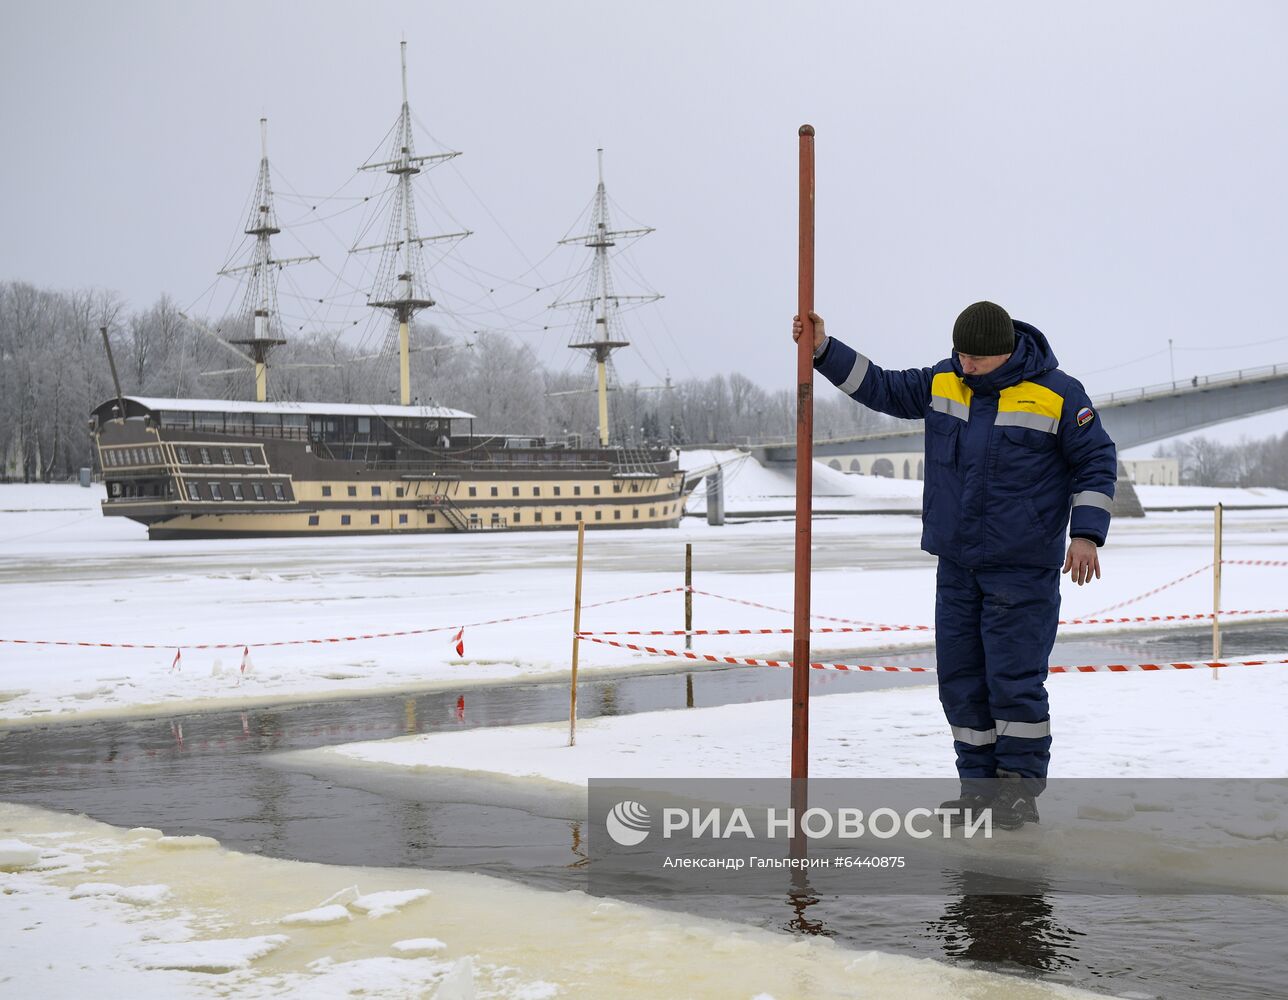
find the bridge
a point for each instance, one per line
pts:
(1132, 416)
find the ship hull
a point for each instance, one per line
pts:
(186, 484)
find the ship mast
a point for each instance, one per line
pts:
(261, 289)
(596, 332)
(399, 288)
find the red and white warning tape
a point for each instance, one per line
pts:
(826, 618)
(1151, 593)
(330, 639)
(875, 668)
(747, 661)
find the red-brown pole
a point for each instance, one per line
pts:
(804, 486)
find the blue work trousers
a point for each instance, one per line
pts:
(994, 630)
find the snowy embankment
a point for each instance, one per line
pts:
(752, 488)
(94, 910)
(69, 575)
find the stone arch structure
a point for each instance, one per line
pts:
(883, 467)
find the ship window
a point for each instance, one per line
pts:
(635, 487)
(402, 518)
(258, 490)
(375, 518)
(429, 518)
(228, 456)
(183, 456)
(375, 491)
(599, 515)
(617, 487)
(194, 491)
(313, 520)
(473, 492)
(576, 491)
(205, 456)
(652, 512)
(558, 515)
(326, 491)
(578, 513)
(518, 516)
(536, 491)
(494, 491)
(514, 491)
(537, 517)
(556, 491)
(635, 512)
(617, 515)
(344, 518)
(596, 490)
(215, 492)
(399, 491)
(364, 425)
(237, 491)
(278, 491)
(353, 491)
(247, 457)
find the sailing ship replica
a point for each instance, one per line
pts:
(214, 468)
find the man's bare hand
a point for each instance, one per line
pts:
(798, 328)
(1082, 561)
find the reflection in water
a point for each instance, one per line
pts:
(409, 716)
(1003, 929)
(800, 897)
(578, 851)
(608, 700)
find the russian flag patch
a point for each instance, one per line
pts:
(1085, 416)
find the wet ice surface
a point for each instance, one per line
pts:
(213, 774)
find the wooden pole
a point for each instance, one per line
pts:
(804, 488)
(576, 642)
(688, 595)
(1216, 588)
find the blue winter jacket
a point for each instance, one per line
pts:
(1013, 458)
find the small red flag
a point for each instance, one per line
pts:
(459, 639)
(174, 664)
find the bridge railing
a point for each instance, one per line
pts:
(1192, 383)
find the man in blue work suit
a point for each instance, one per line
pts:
(1015, 455)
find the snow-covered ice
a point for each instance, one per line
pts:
(218, 935)
(59, 553)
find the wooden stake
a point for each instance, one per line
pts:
(576, 642)
(1216, 588)
(804, 489)
(688, 595)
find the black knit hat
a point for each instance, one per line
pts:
(984, 329)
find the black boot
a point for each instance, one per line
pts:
(966, 807)
(1014, 804)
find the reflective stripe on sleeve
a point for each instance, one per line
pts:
(1025, 730)
(1033, 421)
(855, 379)
(975, 737)
(1090, 498)
(951, 407)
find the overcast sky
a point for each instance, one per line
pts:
(1113, 172)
